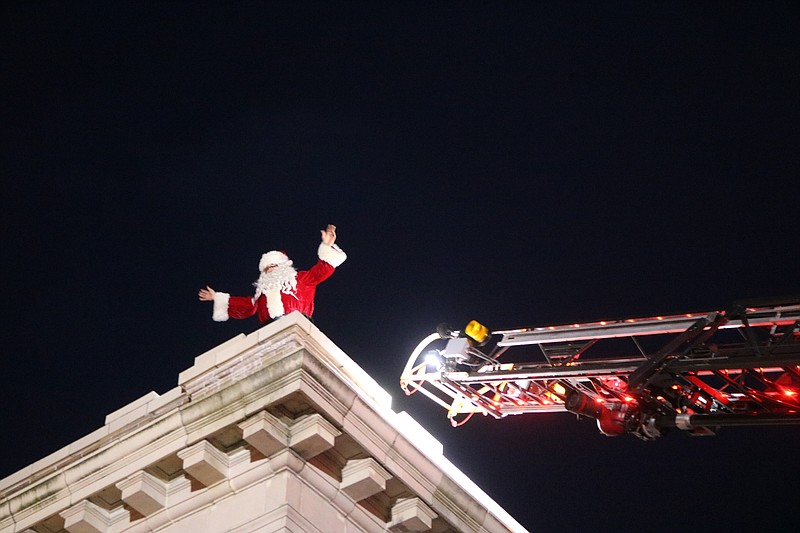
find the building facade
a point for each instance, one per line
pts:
(276, 431)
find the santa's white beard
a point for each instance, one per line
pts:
(281, 278)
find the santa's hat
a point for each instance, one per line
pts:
(275, 257)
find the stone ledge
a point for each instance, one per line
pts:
(87, 517)
(136, 405)
(411, 514)
(205, 463)
(173, 395)
(326, 351)
(242, 365)
(311, 435)
(144, 492)
(362, 478)
(265, 433)
(224, 352)
(207, 360)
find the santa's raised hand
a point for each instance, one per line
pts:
(329, 235)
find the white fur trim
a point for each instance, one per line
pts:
(333, 255)
(274, 257)
(274, 303)
(221, 300)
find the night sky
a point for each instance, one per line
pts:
(520, 163)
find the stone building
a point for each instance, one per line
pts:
(274, 431)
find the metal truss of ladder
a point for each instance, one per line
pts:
(644, 376)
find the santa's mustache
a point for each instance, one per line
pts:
(282, 278)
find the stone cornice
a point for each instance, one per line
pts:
(316, 393)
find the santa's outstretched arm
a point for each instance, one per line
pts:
(227, 306)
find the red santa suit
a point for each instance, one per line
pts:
(273, 302)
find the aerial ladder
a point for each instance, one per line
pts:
(644, 376)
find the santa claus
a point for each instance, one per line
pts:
(280, 289)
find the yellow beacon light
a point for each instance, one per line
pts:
(477, 332)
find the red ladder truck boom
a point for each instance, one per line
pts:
(645, 376)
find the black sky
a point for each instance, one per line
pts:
(521, 163)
